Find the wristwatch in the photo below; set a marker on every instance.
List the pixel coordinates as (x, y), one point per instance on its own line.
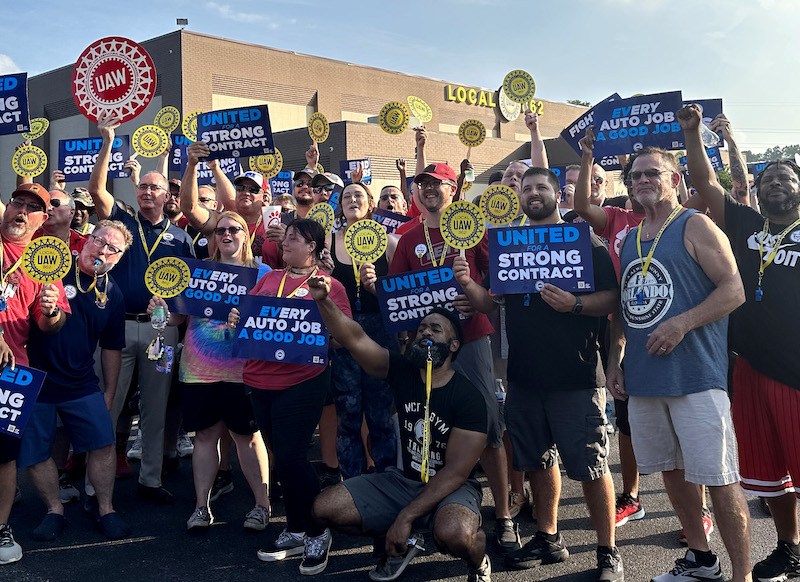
(56, 313)
(578, 307)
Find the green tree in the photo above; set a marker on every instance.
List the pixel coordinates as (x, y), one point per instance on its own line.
(773, 153)
(580, 102)
(725, 180)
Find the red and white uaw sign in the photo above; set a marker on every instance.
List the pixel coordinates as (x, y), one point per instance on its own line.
(113, 75)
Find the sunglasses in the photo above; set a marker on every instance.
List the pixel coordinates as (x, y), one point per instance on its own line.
(206, 200)
(57, 203)
(328, 188)
(150, 187)
(636, 174)
(249, 189)
(232, 230)
(29, 206)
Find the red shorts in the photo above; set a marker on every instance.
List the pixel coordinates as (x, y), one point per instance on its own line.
(766, 416)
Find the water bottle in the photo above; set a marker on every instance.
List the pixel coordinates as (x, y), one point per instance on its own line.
(500, 391)
(710, 139)
(159, 318)
(469, 175)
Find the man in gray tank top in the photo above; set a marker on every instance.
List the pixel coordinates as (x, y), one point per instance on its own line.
(679, 282)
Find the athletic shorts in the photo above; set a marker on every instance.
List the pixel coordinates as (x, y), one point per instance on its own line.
(475, 362)
(204, 405)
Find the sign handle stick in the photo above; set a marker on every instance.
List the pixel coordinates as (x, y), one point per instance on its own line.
(463, 253)
(469, 149)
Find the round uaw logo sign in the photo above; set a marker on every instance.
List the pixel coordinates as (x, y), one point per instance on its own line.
(510, 109)
(168, 118)
(167, 277)
(46, 259)
(29, 161)
(149, 141)
(462, 225)
(322, 212)
(39, 126)
(268, 165)
(419, 108)
(318, 127)
(472, 133)
(394, 117)
(519, 86)
(645, 301)
(365, 241)
(500, 204)
(466, 186)
(189, 125)
(319, 168)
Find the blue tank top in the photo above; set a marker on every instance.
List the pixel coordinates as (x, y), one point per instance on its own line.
(674, 284)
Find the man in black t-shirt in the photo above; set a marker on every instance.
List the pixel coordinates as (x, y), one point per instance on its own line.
(434, 490)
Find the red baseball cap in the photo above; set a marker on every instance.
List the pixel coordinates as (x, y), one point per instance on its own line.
(34, 190)
(439, 171)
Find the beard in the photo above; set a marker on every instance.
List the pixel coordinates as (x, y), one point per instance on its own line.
(172, 210)
(417, 354)
(772, 207)
(548, 208)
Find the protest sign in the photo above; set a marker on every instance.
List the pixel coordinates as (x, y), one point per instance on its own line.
(283, 330)
(281, 184)
(509, 109)
(365, 241)
(19, 389)
(523, 259)
(318, 127)
(408, 297)
(472, 133)
(14, 116)
(519, 86)
(609, 163)
(389, 220)
(167, 277)
(237, 132)
(322, 212)
(561, 174)
(189, 125)
(213, 289)
(29, 161)
(46, 259)
(168, 118)
(76, 157)
(577, 129)
(178, 158)
(394, 117)
(711, 108)
(346, 168)
(713, 156)
(39, 126)
(462, 225)
(756, 168)
(268, 165)
(419, 108)
(149, 141)
(500, 204)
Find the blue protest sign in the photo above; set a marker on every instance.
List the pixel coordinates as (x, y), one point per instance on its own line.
(389, 220)
(756, 168)
(625, 126)
(523, 259)
(561, 173)
(14, 116)
(178, 158)
(346, 168)
(76, 157)
(283, 330)
(236, 133)
(577, 129)
(214, 288)
(609, 163)
(281, 184)
(408, 297)
(711, 108)
(19, 389)
(714, 157)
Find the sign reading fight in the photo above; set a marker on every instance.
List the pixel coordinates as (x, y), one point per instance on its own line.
(625, 126)
(389, 220)
(577, 129)
(76, 157)
(346, 168)
(214, 288)
(283, 330)
(238, 132)
(523, 259)
(177, 162)
(14, 104)
(408, 297)
(19, 389)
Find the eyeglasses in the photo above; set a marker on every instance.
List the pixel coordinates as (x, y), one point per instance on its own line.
(29, 206)
(172, 194)
(636, 174)
(598, 179)
(57, 202)
(432, 184)
(328, 188)
(301, 183)
(149, 187)
(206, 200)
(249, 189)
(102, 243)
(232, 230)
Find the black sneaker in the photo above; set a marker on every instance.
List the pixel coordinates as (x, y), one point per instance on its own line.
(609, 565)
(315, 556)
(781, 564)
(507, 535)
(223, 484)
(538, 551)
(157, 495)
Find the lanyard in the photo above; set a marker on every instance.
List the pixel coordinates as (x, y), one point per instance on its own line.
(357, 275)
(283, 281)
(253, 236)
(426, 424)
(524, 220)
(100, 297)
(198, 235)
(85, 229)
(149, 251)
(430, 247)
(766, 262)
(646, 261)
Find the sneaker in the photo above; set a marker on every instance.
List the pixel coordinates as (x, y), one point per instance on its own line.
(201, 519)
(185, 446)
(257, 518)
(315, 556)
(66, 490)
(507, 535)
(135, 452)
(483, 573)
(223, 484)
(329, 476)
(688, 570)
(629, 508)
(538, 551)
(124, 470)
(288, 544)
(10, 550)
(781, 564)
(390, 567)
(609, 565)
(708, 527)
(157, 495)
(516, 502)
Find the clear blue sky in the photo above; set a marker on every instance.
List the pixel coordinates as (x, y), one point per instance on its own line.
(745, 51)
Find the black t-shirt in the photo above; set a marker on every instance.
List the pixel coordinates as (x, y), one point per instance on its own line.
(763, 331)
(457, 404)
(344, 274)
(549, 350)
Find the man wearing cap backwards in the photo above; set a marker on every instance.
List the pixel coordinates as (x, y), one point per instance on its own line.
(26, 302)
(154, 237)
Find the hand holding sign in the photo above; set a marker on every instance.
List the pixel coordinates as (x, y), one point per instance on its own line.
(7, 357)
(46, 259)
(196, 152)
(134, 169)
(462, 225)
(723, 125)
(560, 300)
(107, 124)
(461, 271)
(586, 143)
(57, 180)
(48, 299)
(368, 276)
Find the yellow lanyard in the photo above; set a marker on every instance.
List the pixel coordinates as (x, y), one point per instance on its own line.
(646, 262)
(430, 247)
(197, 236)
(149, 251)
(283, 282)
(524, 220)
(426, 424)
(101, 297)
(253, 236)
(764, 263)
(84, 229)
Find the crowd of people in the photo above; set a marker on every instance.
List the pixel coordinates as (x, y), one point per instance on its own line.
(695, 297)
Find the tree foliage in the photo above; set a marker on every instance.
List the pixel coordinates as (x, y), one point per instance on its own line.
(580, 102)
(773, 153)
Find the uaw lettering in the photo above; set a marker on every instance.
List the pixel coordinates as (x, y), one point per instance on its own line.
(14, 116)
(523, 259)
(76, 157)
(346, 168)
(389, 220)
(19, 389)
(240, 132)
(408, 297)
(625, 126)
(177, 162)
(788, 253)
(214, 289)
(645, 301)
(281, 330)
(281, 184)
(577, 129)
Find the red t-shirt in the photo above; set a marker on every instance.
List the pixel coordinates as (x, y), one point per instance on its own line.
(263, 248)
(406, 258)
(183, 222)
(22, 308)
(406, 226)
(619, 221)
(266, 375)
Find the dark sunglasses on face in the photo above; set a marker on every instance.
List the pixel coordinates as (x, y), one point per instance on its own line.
(57, 202)
(29, 206)
(232, 230)
(248, 189)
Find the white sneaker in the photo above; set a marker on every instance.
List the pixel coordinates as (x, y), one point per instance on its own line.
(288, 544)
(257, 518)
(688, 570)
(185, 446)
(67, 491)
(135, 452)
(10, 550)
(315, 556)
(200, 519)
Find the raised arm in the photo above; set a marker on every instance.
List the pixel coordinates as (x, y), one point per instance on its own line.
(98, 181)
(478, 297)
(421, 136)
(401, 168)
(198, 215)
(741, 187)
(538, 151)
(591, 213)
(226, 193)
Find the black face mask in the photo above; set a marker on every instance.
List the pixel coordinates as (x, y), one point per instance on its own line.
(417, 353)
